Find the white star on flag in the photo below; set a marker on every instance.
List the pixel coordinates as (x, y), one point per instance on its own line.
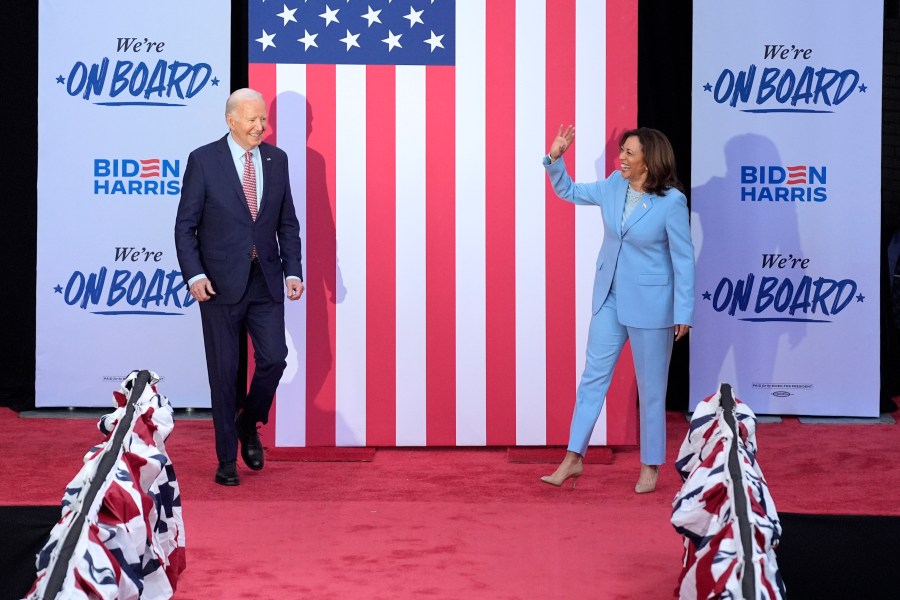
(308, 40)
(372, 16)
(350, 40)
(287, 15)
(414, 16)
(266, 40)
(330, 16)
(435, 41)
(392, 40)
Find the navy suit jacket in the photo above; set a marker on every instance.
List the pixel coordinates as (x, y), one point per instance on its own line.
(214, 232)
(651, 257)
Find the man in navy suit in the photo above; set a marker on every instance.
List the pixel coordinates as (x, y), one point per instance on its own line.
(238, 244)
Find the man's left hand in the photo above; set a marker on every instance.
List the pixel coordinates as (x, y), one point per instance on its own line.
(294, 289)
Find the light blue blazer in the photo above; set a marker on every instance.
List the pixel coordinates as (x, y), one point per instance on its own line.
(651, 257)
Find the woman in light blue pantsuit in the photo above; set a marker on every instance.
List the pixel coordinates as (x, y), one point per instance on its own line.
(643, 288)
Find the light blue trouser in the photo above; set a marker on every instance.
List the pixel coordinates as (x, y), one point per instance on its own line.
(652, 350)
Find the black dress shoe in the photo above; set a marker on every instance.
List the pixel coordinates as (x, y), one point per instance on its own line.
(227, 474)
(251, 445)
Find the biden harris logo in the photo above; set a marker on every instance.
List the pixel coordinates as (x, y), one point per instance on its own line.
(776, 183)
(136, 177)
(789, 81)
(139, 74)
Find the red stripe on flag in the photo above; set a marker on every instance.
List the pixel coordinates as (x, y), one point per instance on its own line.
(560, 227)
(621, 115)
(262, 78)
(500, 224)
(381, 261)
(621, 75)
(440, 256)
(320, 255)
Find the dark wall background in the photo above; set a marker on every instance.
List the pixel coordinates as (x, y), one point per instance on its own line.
(890, 202)
(664, 90)
(18, 226)
(664, 59)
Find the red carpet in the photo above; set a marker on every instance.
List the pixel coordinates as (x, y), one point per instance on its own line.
(450, 523)
(554, 455)
(321, 454)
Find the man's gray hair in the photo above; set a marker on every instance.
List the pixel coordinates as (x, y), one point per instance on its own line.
(239, 96)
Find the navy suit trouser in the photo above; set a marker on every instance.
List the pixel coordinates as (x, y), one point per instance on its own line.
(652, 350)
(263, 317)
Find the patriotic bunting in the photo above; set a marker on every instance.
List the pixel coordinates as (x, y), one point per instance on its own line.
(707, 509)
(131, 539)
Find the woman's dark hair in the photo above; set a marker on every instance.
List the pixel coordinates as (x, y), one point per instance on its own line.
(658, 156)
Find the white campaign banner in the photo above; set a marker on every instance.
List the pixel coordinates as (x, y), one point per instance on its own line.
(786, 170)
(125, 92)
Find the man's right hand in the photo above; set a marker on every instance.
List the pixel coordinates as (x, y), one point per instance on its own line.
(202, 290)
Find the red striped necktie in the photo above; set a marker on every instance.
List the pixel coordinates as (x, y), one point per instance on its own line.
(250, 190)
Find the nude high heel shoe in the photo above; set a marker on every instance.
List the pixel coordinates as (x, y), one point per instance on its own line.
(567, 470)
(647, 481)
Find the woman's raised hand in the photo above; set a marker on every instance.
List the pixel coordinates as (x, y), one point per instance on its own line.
(562, 141)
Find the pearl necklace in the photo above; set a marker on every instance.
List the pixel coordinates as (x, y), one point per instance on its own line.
(633, 195)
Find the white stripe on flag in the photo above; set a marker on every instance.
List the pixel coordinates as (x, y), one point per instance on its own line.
(350, 223)
(531, 346)
(590, 164)
(470, 226)
(290, 426)
(410, 250)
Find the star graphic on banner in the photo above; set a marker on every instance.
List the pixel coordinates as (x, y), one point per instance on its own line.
(57, 289)
(707, 88)
(266, 40)
(435, 41)
(707, 295)
(863, 88)
(392, 40)
(330, 16)
(350, 40)
(287, 14)
(60, 79)
(215, 81)
(308, 40)
(372, 16)
(414, 16)
(860, 298)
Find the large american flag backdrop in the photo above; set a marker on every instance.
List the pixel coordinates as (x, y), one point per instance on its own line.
(448, 289)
